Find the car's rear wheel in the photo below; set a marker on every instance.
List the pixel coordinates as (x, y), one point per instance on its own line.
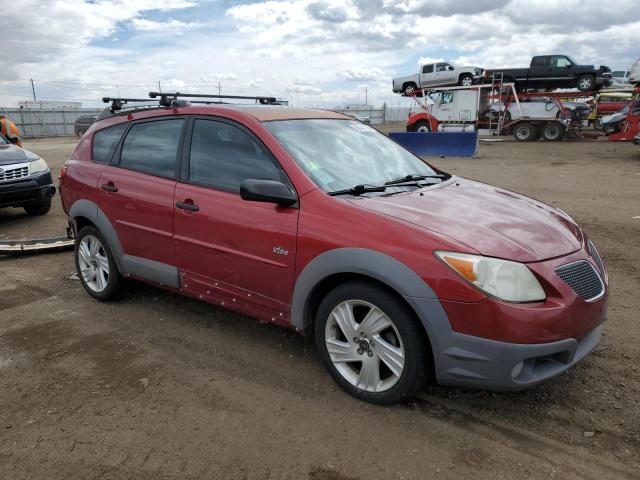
(39, 208)
(410, 88)
(96, 266)
(371, 343)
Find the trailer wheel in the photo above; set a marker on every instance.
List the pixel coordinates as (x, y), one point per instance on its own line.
(552, 132)
(422, 126)
(526, 132)
(585, 82)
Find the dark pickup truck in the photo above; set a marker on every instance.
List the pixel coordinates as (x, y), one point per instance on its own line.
(555, 71)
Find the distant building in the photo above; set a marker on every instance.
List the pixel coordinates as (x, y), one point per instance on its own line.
(31, 105)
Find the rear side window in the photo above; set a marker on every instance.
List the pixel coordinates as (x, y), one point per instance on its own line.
(152, 147)
(223, 156)
(427, 69)
(539, 61)
(105, 142)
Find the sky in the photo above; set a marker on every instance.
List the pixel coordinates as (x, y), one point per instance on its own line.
(322, 53)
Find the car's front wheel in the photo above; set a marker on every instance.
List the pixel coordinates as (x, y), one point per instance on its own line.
(465, 80)
(371, 343)
(96, 267)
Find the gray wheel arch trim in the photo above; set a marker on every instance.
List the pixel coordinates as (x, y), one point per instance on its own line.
(378, 266)
(89, 210)
(142, 267)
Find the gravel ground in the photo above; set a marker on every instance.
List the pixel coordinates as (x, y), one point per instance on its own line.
(157, 386)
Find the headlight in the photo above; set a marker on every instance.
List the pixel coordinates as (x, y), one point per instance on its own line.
(503, 279)
(39, 166)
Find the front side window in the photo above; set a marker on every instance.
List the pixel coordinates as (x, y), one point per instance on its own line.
(338, 154)
(223, 156)
(442, 67)
(560, 62)
(105, 142)
(152, 147)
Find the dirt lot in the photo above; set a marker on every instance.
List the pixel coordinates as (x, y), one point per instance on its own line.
(157, 386)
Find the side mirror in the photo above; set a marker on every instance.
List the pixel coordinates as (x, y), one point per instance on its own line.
(13, 139)
(270, 191)
(449, 67)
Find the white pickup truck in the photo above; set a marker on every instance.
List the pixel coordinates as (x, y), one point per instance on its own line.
(440, 74)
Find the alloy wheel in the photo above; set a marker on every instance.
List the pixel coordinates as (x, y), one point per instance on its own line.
(364, 346)
(93, 262)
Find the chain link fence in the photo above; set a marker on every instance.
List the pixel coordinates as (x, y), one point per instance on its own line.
(46, 122)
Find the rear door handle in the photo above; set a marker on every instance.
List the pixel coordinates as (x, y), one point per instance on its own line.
(109, 187)
(188, 205)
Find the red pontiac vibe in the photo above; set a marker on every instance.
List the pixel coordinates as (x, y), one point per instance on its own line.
(401, 272)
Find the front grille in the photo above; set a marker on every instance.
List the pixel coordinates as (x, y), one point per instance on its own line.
(14, 172)
(582, 278)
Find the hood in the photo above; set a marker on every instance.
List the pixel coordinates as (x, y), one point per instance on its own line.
(13, 154)
(616, 117)
(489, 220)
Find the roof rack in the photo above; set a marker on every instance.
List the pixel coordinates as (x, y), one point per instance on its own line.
(168, 99)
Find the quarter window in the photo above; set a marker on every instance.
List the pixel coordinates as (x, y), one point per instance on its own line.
(152, 147)
(223, 156)
(105, 141)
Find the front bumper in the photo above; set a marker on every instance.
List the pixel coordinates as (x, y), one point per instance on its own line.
(33, 189)
(497, 345)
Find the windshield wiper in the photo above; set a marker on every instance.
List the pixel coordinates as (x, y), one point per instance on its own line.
(358, 189)
(412, 177)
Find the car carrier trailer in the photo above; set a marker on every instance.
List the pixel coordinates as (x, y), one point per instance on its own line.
(470, 108)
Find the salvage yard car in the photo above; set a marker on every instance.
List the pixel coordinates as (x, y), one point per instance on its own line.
(402, 273)
(25, 179)
(438, 74)
(554, 71)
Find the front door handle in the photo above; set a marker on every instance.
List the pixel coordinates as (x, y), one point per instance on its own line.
(109, 187)
(188, 205)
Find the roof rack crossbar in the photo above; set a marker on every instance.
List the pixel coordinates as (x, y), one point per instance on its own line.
(166, 98)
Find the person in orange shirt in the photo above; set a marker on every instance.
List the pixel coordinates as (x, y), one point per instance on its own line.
(9, 129)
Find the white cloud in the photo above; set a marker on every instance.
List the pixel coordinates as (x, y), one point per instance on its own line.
(170, 25)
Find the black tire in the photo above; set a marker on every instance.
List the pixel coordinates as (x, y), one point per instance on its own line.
(597, 123)
(421, 126)
(418, 358)
(552, 132)
(115, 283)
(465, 80)
(585, 82)
(409, 88)
(81, 133)
(526, 132)
(40, 208)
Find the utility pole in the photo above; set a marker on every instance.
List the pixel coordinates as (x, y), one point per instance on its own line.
(33, 89)
(366, 96)
(159, 87)
(219, 88)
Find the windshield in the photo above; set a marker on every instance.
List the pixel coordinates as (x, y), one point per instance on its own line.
(338, 154)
